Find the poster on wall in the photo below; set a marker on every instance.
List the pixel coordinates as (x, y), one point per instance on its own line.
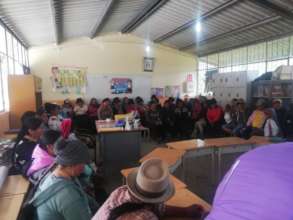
(121, 86)
(159, 92)
(172, 91)
(68, 79)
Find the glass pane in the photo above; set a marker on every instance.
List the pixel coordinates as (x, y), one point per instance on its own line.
(4, 68)
(26, 58)
(259, 67)
(239, 56)
(201, 82)
(273, 65)
(291, 46)
(225, 69)
(225, 59)
(15, 51)
(18, 69)
(2, 40)
(202, 63)
(278, 49)
(213, 61)
(291, 61)
(9, 43)
(256, 53)
(239, 68)
(11, 66)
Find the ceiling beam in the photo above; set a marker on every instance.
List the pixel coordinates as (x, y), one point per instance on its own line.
(57, 19)
(144, 15)
(283, 12)
(102, 19)
(232, 32)
(189, 24)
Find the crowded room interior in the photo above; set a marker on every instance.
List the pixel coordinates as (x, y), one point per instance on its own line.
(146, 109)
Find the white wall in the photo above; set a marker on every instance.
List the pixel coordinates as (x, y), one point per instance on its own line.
(114, 55)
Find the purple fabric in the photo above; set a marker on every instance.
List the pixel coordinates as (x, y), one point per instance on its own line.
(41, 159)
(258, 187)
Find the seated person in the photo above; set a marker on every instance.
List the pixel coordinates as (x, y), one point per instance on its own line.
(240, 117)
(93, 109)
(67, 199)
(168, 119)
(257, 187)
(289, 123)
(214, 117)
(116, 106)
(25, 143)
(66, 109)
(144, 195)
(43, 155)
(199, 115)
(271, 129)
(80, 107)
(42, 114)
(229, 117)
(279, 114)
(55, 119)
(255, 123)
(105, 110)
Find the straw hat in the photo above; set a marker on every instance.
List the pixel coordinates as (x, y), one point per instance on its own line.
(151, 183)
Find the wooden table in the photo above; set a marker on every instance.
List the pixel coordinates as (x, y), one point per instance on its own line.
(177, 183)
(216, 142)
(10, 206)
(170, 156)
(14, 185)
(185, 198)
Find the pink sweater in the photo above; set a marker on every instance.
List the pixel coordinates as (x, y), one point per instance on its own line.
(41, 159)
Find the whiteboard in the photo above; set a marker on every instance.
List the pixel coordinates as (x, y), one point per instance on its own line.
(98, 86)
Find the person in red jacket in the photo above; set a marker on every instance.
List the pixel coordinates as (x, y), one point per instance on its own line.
(214, 117)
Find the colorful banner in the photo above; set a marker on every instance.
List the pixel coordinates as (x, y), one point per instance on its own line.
(68, 79)
(121, 85)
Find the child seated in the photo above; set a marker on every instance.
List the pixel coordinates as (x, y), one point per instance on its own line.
(271, 128)
(55, 119)
(229, 119)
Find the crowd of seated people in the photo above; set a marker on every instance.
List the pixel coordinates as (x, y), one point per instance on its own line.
(186, 118)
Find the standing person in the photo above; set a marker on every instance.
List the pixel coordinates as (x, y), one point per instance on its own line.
(168, 119)
(93, 109)
(55, 119)
(67, 109)
(66, 197)
(183, 121)
(26, 141)
(105, 110)
(80, 107)
(143, 197)
(154, 122)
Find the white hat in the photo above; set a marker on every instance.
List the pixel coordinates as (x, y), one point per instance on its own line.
(151, 183)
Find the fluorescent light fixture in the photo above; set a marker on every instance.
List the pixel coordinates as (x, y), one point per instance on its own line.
(198, 27)
(147, 48)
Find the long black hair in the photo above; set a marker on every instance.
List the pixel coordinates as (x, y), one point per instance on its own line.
(28, 122)
(129, 207)
(49, 138)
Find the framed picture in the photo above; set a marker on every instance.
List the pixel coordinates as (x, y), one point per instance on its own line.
(148, 64)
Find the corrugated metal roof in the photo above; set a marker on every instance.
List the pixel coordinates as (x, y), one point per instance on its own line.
(33, 21)
(80, 16)
(172, 15)
(123, 12)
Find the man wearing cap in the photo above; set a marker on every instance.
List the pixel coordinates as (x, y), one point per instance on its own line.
(144, 195)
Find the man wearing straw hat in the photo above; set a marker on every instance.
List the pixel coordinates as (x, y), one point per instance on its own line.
(148, 187)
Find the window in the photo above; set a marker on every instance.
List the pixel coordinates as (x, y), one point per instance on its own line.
(15, 51)
(9, 44)
(273, 65)
(2, 40)
(259, 67)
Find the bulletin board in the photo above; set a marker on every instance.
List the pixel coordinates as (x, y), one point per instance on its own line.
(99, 86)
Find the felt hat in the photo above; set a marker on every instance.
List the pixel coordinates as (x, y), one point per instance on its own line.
(151, 183)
